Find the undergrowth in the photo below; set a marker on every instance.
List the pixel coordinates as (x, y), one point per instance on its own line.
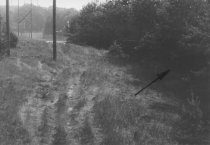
(82, 99)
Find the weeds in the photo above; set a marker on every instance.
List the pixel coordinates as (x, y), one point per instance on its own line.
(80, 104)
(102, 109)
(11, 129)
(60, 136)
(191, 129)
(85, 134)
(44, 129)
(124, 122)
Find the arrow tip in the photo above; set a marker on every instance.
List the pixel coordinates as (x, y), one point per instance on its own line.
(163, 74)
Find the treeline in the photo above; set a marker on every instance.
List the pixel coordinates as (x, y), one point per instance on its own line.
(172, 27)
(41, 18)
(62, 17)
(156, 34)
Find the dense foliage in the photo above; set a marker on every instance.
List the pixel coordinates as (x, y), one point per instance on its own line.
(166, 21)
(158, 33)
(3, 43)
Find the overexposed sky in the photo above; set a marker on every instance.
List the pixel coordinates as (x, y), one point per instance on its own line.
(77, 4)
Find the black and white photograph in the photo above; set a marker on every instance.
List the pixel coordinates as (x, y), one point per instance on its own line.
(104, 72)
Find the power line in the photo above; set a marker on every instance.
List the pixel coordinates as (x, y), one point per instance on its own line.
(30, 12)
(26, 15)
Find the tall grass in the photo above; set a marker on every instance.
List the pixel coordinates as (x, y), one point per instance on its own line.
(88, 101)
(11, 129)
(108, 114)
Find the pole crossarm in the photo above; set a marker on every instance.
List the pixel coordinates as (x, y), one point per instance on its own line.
(21, 20)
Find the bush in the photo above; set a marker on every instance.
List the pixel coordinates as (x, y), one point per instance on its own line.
(115, 49)
(3, 43)
(161, 34)
(165, 34)
(13, 40)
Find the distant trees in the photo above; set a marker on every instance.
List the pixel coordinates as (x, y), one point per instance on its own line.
(42, 18)
(39, 15)
(63, 15)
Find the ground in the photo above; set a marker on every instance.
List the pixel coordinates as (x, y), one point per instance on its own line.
(81, 99)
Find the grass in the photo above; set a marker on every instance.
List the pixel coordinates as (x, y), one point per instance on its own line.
(111, 114)
(27, 78)
(81, 98)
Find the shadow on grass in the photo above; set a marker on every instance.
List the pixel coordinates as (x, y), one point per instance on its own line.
(188, 127)
(164, 107)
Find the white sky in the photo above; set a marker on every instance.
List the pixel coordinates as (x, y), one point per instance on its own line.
(77, 4)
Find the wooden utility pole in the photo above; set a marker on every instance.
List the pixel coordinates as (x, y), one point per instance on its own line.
(54, 31)
(18, 18)
(0, 26)
(31, 19)
(8, 27)
(0, 33)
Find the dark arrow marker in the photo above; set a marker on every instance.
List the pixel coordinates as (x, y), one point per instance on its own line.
(160, 76)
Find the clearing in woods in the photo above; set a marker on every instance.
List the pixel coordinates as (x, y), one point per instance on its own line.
(80, 99)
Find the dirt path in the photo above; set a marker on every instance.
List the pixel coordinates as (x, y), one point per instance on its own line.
(47, 112)
(80, 99)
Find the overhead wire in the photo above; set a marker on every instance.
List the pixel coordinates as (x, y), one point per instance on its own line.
(27, 15)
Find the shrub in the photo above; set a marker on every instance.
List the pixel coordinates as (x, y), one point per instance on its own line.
(191, 129)
(115, 49)
(13, 40)
(3, 43)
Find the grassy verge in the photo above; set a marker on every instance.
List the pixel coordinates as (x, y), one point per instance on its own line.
(83, 99)
(27, 82)
(106, 111)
